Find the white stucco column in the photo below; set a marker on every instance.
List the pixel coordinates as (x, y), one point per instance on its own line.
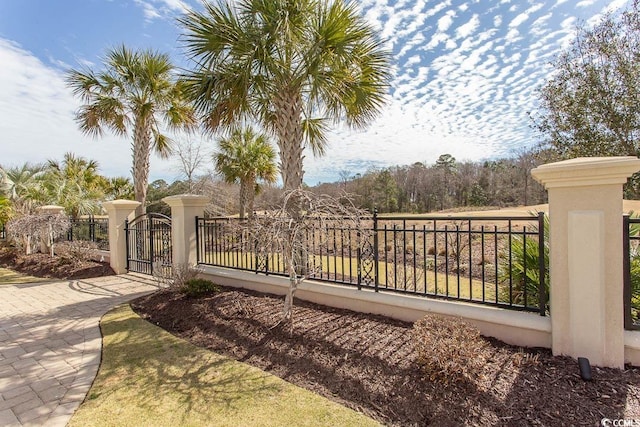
(184, 209)
(585, 250)
(119, 211)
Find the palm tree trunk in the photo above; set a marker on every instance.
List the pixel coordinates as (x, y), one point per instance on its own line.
(251, 194)
(288, 128)
(244, 189)
(141, 153)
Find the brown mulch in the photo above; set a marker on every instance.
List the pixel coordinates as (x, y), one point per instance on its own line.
(56, 267)
(368, 363)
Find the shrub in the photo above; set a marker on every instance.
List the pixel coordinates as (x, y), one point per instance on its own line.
(524, 271)
(197, 287)
(449, 350)
(77, 250)
(174, 275)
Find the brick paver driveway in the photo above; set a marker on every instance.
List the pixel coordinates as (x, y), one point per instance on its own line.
(50, 344)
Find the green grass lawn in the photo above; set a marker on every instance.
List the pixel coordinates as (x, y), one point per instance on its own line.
(148, 377)
(390, 274)
(10, 277)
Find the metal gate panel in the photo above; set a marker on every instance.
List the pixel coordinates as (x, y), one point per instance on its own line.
(148, 241)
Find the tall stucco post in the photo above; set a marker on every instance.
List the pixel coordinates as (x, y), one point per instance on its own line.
(585, 250)
(119, 211)
(184, 209)
(48, 210)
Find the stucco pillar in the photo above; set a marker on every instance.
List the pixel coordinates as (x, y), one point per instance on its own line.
(585, 250)
(119, 211)
(48, 210)
(184, 209)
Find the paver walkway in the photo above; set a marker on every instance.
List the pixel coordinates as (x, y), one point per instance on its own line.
(50, 344)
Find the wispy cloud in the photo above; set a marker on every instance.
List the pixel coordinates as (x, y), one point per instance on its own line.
(38, 117)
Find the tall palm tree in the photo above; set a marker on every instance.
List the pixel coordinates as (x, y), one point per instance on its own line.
(136, 94)
(75, 184)
(247, 157)
(293, 66)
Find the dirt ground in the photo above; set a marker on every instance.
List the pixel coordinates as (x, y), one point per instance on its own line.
(368, 363)
(56, 267)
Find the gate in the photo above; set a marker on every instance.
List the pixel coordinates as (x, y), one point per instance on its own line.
(148, 240)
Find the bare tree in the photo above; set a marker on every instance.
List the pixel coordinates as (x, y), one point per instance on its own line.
(47, 227)
(279, 231)
(191, 157)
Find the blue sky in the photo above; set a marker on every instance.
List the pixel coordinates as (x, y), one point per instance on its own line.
(465, 76)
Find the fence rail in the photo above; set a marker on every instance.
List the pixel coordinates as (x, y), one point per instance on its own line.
(486, 260)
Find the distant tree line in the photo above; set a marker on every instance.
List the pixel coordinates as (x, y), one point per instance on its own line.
(445, 184)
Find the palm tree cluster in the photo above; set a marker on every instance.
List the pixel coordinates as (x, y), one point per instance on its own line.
(73, 183)
(289, 67)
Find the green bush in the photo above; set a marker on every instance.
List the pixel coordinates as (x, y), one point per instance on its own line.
(197, 287)
(524, 271)
(448, 349)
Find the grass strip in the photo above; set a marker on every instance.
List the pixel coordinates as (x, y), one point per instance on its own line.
(10, 277)
(149, 377)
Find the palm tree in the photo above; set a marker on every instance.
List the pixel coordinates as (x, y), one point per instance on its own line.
(137, 95)
(74, 184)
(118, 187)
(246, 156)
(293, 66)
(22, 186)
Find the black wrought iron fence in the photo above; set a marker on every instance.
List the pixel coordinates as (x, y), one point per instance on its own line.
(90, 229)
(488, 260)
(631, 272)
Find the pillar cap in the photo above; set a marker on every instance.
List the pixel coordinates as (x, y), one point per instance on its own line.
(51, 208)
(187, 200)
(586, 171)
(121, 205)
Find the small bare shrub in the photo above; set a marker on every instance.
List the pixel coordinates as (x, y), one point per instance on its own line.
(449, 349)
(175, 276)
(431, 251)
(77, 250)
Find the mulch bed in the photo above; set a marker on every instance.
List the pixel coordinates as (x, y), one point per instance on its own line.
(368, 363)
(56, 267)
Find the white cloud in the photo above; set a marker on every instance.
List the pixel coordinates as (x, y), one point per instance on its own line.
(518, 20)
(445, 22)
(465, 30)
